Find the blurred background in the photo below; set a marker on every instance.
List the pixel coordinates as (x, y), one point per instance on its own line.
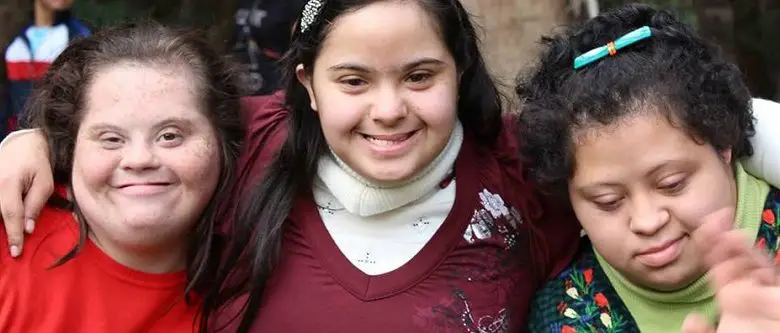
(746, 29)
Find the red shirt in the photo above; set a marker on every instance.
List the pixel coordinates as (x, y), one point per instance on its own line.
(91, 293)
(477, 274)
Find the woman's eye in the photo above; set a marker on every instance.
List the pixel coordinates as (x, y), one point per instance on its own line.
(419, 77)
(673, 187)
(608, 205)
(110, 141)
(354, 82)
(169, 136)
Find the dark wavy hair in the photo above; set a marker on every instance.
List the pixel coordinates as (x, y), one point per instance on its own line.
(59, 100)
(674, 72)
(260, 221)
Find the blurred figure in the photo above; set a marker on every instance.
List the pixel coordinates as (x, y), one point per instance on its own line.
(32, 51)
(262, 35)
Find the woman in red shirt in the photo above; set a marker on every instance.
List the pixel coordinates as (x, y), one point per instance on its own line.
(143, 157)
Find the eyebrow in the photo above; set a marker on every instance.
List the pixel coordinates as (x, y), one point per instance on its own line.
(653, 171)
(185, 122)
(363, 69)
(587, 189)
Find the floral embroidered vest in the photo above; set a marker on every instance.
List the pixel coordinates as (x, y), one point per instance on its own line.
(581, 298)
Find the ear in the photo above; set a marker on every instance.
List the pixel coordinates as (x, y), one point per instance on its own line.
(725, 154)
(305, 80)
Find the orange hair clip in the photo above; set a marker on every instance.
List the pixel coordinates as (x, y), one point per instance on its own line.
(611, 48)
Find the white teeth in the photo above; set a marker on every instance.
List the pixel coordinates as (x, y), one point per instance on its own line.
(379, 142)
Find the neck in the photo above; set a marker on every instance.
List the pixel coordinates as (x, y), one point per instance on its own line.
(364, 197)
(154, 259)
(44, 17)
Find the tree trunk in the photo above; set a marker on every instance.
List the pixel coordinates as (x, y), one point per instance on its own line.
(715, 22)
(745, 31)
(511, 30)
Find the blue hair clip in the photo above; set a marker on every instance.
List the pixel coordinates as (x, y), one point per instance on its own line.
(612, 47)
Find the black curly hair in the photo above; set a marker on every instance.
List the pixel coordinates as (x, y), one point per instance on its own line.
(674, 72)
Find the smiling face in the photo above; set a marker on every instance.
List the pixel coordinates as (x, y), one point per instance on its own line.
(385, 90)
(640, 186)
(146, 159)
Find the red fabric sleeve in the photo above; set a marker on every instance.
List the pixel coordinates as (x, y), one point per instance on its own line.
(556, 231)
(266, 121)
(265, 118)
(561, 231)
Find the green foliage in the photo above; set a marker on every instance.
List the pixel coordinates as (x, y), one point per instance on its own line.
(683, 8)
(214, 17)
(108, 12)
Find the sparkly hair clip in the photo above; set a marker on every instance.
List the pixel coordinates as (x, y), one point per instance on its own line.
(310, 12)
(612, 47)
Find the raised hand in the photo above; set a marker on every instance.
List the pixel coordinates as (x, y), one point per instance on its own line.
(744, 279)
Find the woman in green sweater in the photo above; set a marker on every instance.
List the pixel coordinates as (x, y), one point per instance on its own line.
(641, 124)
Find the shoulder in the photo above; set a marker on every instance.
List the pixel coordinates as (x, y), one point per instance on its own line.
(266, 120)
(765, 161)
(768, 232)
(265, 111)
(579, 297)
(550, 303)
(24, 281)
(555, 231)
(16, 49)
(55, 230)
(78, 28)
(581, 265)
(764, 105)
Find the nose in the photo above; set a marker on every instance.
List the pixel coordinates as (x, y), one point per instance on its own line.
(389, 107)
(647, 216)
(139, 156)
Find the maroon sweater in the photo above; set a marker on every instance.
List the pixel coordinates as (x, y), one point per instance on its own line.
(477, 274)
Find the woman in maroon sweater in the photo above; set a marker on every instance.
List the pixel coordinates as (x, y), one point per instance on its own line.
(387, 102)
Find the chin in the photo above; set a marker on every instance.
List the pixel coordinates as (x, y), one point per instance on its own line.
(670, 279)
(388, 175)
(395, 171)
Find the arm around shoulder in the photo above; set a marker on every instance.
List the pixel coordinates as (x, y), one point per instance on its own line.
(765, 162)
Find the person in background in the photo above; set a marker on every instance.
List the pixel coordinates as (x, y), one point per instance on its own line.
(32, 51)
(262, 36)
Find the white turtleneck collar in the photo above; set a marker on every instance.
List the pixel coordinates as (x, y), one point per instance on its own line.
(362, 197)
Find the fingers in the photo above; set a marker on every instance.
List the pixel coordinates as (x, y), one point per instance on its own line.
(25, 184)
(12, 210)
(711, 227)
(731, 258)
(695, 323)
(728, 253)
(40, 190)
(751, 299)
